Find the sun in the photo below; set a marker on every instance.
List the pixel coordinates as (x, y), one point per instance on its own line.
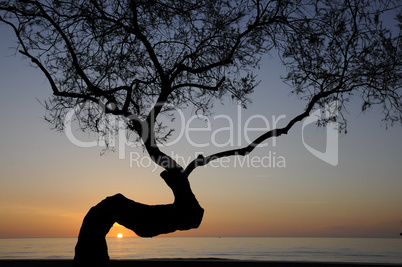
(119, 235)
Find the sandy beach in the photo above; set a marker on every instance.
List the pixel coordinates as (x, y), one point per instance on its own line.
(187, 262)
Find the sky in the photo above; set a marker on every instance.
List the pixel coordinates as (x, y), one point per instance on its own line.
(284, 189)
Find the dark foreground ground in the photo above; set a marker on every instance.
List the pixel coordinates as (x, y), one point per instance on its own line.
(185, 262)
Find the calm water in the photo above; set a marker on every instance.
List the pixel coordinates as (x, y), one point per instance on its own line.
(374, 250)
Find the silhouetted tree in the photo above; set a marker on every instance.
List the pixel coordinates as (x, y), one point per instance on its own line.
(138, 59)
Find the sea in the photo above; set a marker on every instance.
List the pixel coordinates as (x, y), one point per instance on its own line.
(364, 250)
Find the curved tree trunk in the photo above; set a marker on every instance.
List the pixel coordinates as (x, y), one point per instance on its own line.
(145, 220)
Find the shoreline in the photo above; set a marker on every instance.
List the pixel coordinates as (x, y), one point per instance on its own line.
(186, 262)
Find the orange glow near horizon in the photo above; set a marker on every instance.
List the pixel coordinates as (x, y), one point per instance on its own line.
(120, 231)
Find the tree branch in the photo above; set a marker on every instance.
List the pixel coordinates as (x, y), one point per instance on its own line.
(228, 59)
(201, 160)
(136, 31)
(206, 87)
(70, 48)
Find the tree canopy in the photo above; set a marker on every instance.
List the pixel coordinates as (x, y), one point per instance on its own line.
(138, 59)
